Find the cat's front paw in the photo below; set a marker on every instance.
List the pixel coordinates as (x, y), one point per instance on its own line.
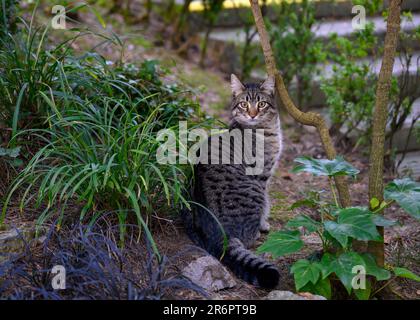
(264, 226)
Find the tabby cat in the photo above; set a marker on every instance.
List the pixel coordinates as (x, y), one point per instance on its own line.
(234, 205)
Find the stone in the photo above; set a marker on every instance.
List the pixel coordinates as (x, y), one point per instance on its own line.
(13, 240)
(208, 273)
(288, 295)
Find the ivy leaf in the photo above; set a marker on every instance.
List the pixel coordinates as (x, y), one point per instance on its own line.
(364, 294)
(322, 287)
(282, 242)
(326, 264)
(357, 223)
(406, 193)
(405, 273)
(304, 221)
(374, 203)
(325, 167)
(343, 267)
(305, 271)
(380, 221)
(373, 269)
(338, 232)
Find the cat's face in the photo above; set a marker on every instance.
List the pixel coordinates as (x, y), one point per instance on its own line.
(253, 104)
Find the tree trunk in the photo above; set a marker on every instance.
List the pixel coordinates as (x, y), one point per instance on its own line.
(380, 114)
(204, 48)
(179, 24)
(306, 118)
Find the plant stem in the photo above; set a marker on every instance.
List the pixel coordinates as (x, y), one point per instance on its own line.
(333, 192)
(384, 207)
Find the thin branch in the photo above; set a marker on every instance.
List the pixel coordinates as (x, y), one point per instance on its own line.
(306, 118)
(380, 114)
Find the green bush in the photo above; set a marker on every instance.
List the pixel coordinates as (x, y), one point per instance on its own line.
(351, 89)
(8, 10)
(98, 138)
(296, 49)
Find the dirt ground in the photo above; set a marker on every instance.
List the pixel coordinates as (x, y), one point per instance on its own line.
(402, 241)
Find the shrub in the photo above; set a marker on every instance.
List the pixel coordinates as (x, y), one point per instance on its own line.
(8, 10)
(99, 137)
(294, 32)
(351, 90)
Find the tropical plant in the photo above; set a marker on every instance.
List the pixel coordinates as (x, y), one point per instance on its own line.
(337, 229)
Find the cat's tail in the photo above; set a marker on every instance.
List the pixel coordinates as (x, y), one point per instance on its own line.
(250, 267)
(245, 264)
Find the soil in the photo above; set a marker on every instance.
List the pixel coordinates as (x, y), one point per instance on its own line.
(402, 242)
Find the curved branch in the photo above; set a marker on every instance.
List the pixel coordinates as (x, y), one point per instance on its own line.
(306, 118)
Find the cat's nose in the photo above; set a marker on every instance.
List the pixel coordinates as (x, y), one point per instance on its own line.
(253, 113)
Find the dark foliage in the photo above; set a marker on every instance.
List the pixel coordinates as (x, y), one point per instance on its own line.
(96, 268)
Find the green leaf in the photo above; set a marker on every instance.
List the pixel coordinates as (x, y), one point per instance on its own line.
(373, 269)
(325, 167)
(17, 109)
(304, 221)
(322, 287)
(343, 267)
(98, 16)
(281, 243)
(305, 271)
(364, 294)
(405, 273)
(374, 203)
(406, 193)
(327, 266)
(353, 222)
(338, 232)
(303, 203)
(380, 221)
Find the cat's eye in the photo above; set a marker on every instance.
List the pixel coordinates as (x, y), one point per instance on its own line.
(243, 105)
(262, 104)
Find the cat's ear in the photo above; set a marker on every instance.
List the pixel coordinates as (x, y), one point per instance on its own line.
(268, 85)
(236, 85)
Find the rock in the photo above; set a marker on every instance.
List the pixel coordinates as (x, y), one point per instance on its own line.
(13, 240)
(288, 295)
(208, 273)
